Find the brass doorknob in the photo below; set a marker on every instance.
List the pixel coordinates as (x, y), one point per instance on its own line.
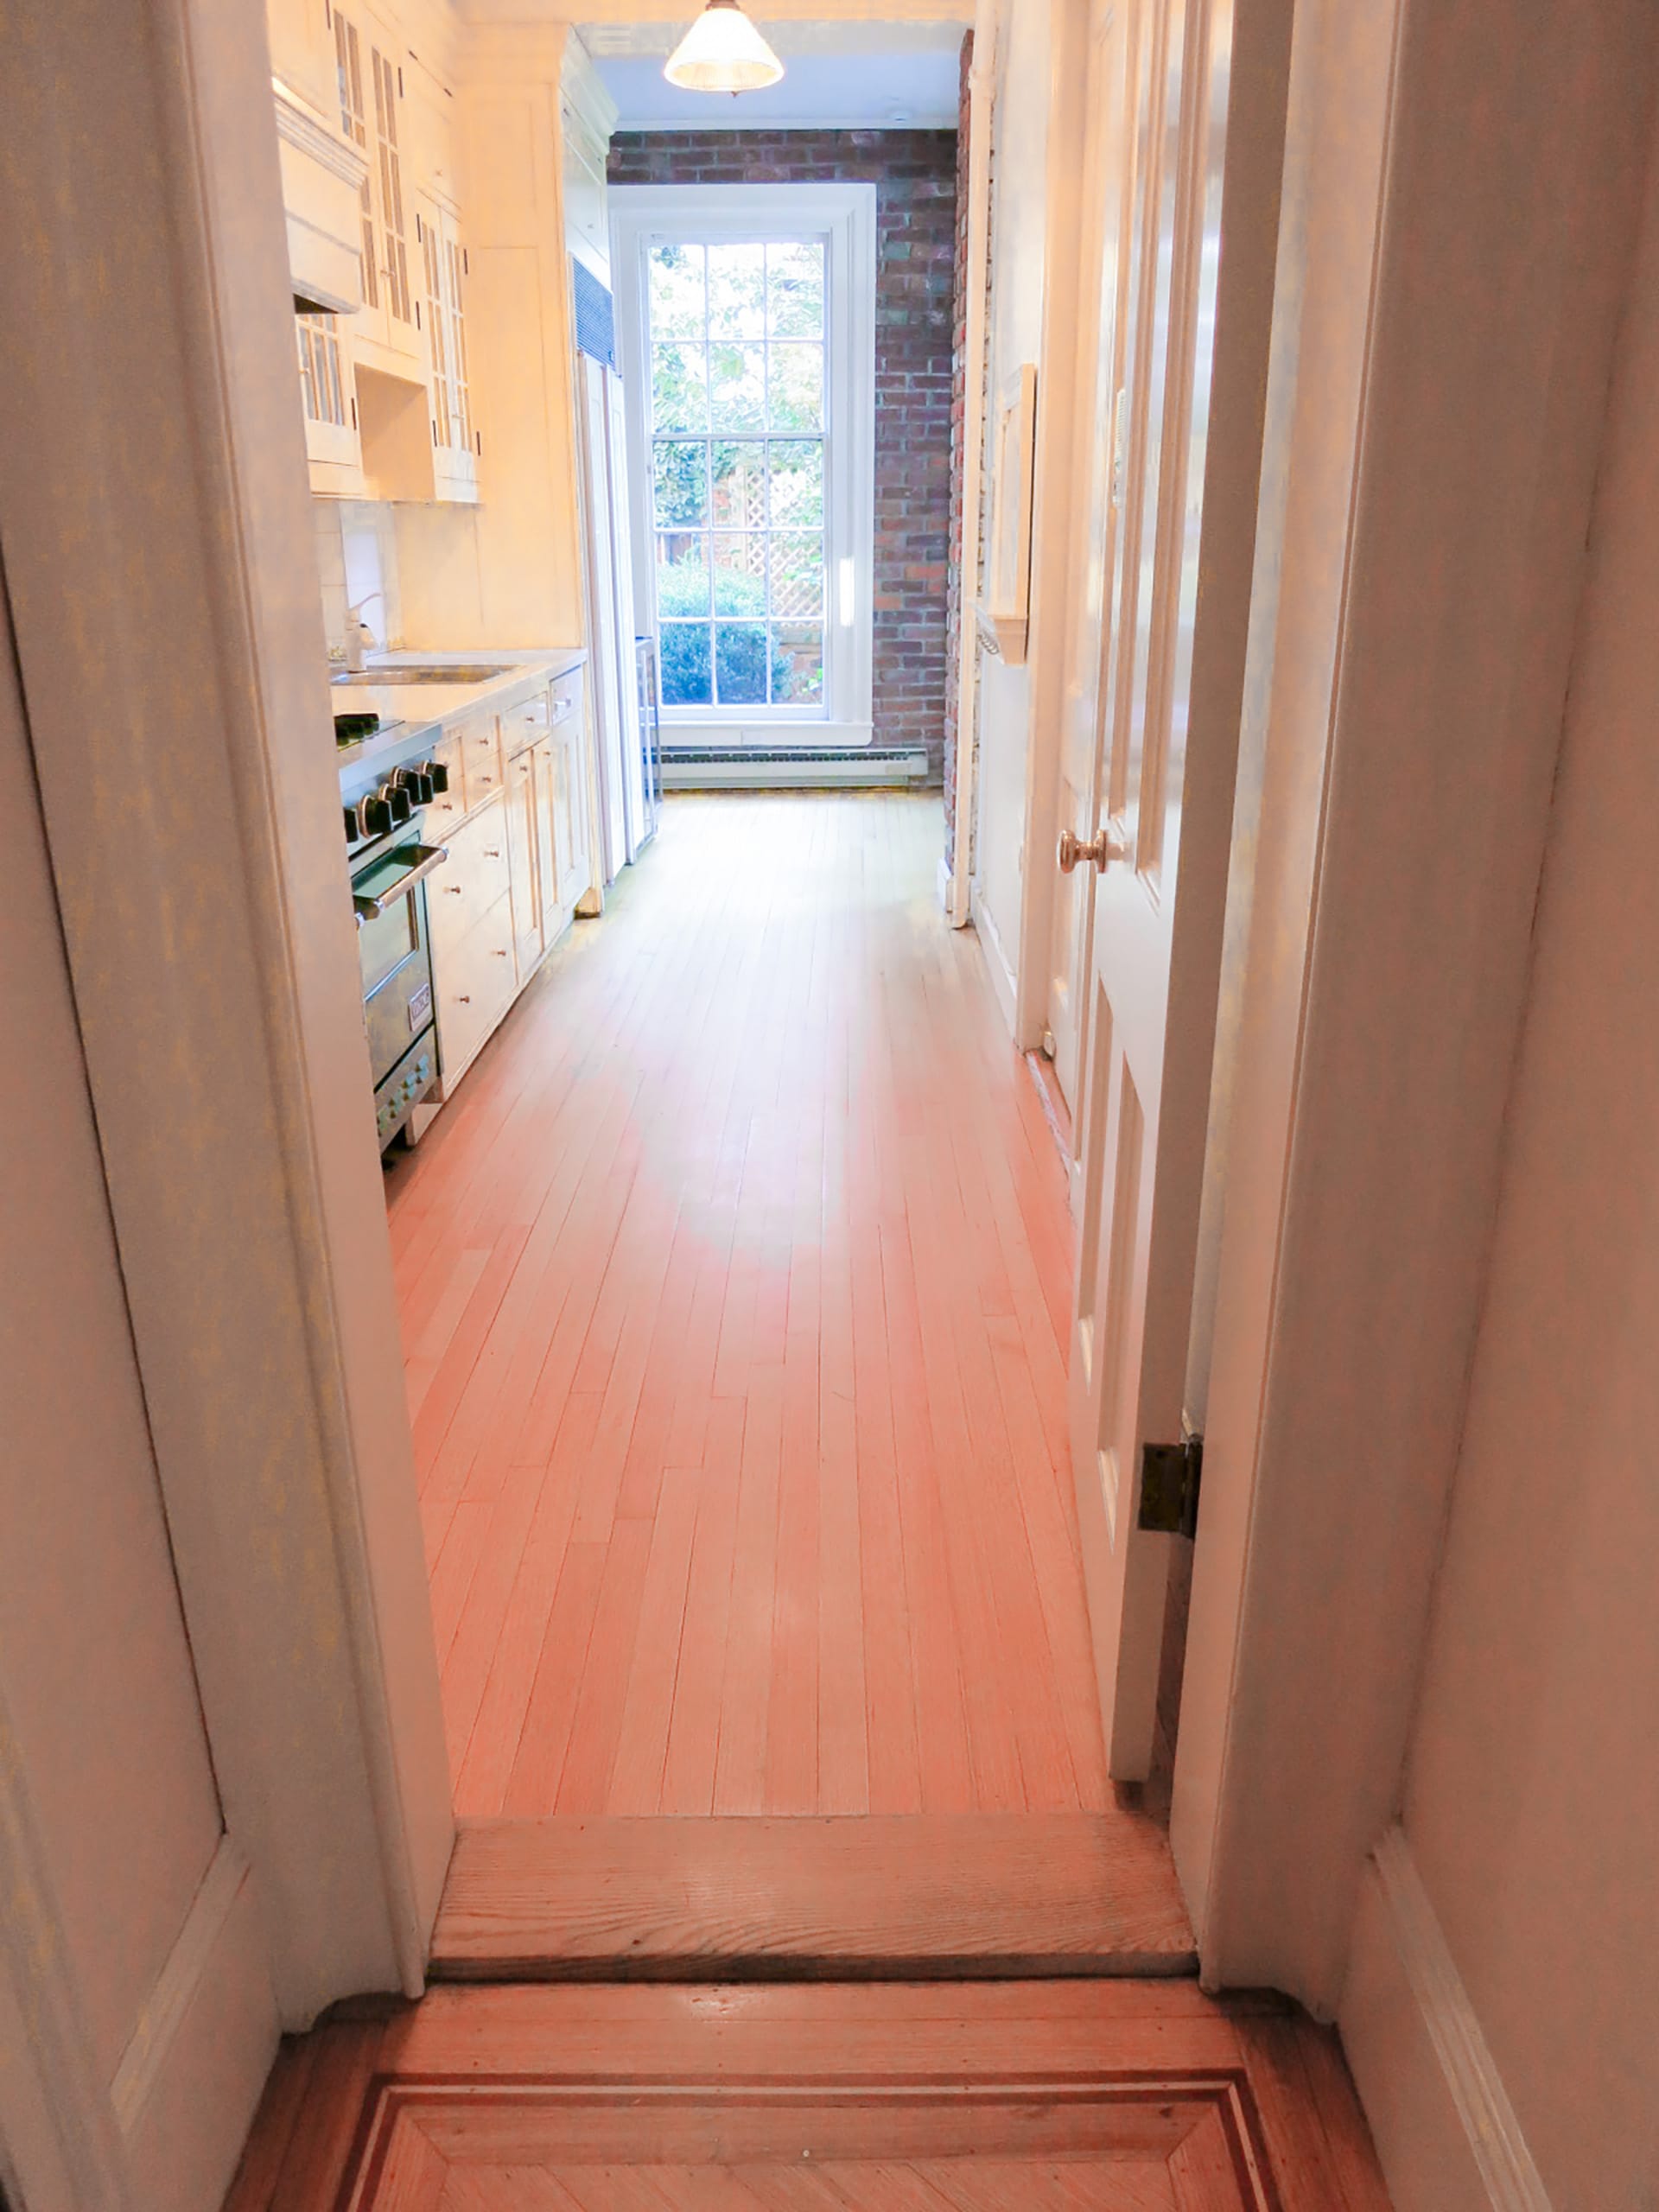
(1099, 848)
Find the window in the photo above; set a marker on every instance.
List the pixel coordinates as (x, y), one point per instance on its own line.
(737, 471)
(748, 328)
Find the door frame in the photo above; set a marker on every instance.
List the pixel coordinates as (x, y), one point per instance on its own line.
(160, 573)
(199, 664)
(1434, 407)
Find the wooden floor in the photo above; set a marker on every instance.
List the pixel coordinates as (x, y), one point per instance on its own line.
(734, 1290)
(997, 2097)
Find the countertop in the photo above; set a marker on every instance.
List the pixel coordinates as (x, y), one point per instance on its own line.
(412, 712)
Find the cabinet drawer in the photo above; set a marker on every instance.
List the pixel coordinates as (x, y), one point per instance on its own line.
(447, 810)
(523, 724)
(476, 981)
(480, 753)
(567, 697)
(471, 880)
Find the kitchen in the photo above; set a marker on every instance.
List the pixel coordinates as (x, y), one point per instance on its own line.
(496, 773)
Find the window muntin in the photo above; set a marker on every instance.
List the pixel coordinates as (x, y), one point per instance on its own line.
(736, 333)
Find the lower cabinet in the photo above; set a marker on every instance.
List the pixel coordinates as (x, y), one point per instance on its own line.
(470, 919)
(477, 981)
(528, 927)
(515, 824)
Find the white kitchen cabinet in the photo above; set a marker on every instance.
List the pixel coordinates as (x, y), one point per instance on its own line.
(444, 269)
(523, 864)
(369, 62)
(332, 447)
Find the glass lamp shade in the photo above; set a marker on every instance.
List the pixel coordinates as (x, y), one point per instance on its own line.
(722, 52)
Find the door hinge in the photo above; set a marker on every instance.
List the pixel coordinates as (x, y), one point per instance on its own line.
(1170, 1475)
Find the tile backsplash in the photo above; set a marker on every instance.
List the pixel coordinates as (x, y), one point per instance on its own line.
(357, 563)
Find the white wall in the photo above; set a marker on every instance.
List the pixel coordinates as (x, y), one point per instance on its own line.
(1532, 1799)
(1019, 246)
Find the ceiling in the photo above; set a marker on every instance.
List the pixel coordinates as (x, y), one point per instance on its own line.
(865, 73)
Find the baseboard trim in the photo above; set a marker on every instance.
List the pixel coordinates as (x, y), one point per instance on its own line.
(1448, 2137)
(191, 2077)
(996, 960)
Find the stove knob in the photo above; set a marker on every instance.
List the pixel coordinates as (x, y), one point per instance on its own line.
(398, 800)
(353, 833)
(417, 783)
(373, 814)
(438, 772)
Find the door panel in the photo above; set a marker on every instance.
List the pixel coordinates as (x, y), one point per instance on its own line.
(1099, 375)
(96, 1676)
(1144, 1113)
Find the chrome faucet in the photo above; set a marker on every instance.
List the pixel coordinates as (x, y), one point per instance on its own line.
(357, 631)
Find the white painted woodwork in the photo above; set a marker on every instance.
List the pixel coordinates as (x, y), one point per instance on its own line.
(161, 573)
(1031, 40)
(1531, 1794)
(1098, 378)
(613, 699)
(529, 940)
(1180, 590)
(110, 1826)
(523, 569)
(1437, 393)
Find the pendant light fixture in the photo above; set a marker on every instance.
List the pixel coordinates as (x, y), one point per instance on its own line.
(722, 52)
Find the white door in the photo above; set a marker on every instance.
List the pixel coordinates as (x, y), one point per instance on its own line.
(635, 829)
(1106, 182)
(1163, 819)
(594, 404)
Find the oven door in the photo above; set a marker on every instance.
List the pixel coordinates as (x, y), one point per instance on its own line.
(389, 897)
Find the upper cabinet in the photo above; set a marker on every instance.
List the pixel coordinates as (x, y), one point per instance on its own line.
(379, 263)
(369, 72)
(444, 271)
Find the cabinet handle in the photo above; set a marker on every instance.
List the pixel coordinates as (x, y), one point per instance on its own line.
(463, 998)
(452, 889)
(500, 951)
(492, 852)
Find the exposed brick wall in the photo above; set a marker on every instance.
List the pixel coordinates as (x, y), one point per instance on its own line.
(914, 173)
(958, 417)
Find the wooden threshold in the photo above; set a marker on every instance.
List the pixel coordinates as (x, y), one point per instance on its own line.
(903, 1896)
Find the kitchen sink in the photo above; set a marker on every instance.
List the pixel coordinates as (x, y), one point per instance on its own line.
(421, 672)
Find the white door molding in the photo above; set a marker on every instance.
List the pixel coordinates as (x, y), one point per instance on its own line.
(1449, 2139)
(1434, 411)
(159, 562)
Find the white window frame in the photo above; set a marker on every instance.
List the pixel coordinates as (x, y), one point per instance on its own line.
(843, 215)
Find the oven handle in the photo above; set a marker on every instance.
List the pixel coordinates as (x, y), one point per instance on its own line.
(432, 856)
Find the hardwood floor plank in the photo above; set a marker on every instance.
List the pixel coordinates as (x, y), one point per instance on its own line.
(753, 1157)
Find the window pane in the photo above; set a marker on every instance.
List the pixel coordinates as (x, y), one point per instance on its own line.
(795, 290)
(683, 648)
(740, 573)
(681, 574)
(796, 664)
(738, 467)
(741, 664)
(797, 387)
(737, 387)
(677, 291)
(679, 388)
(797, 484)
(680, 472)
(797, 573)
(737, 291)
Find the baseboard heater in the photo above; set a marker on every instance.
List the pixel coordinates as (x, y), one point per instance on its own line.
(753, 767)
